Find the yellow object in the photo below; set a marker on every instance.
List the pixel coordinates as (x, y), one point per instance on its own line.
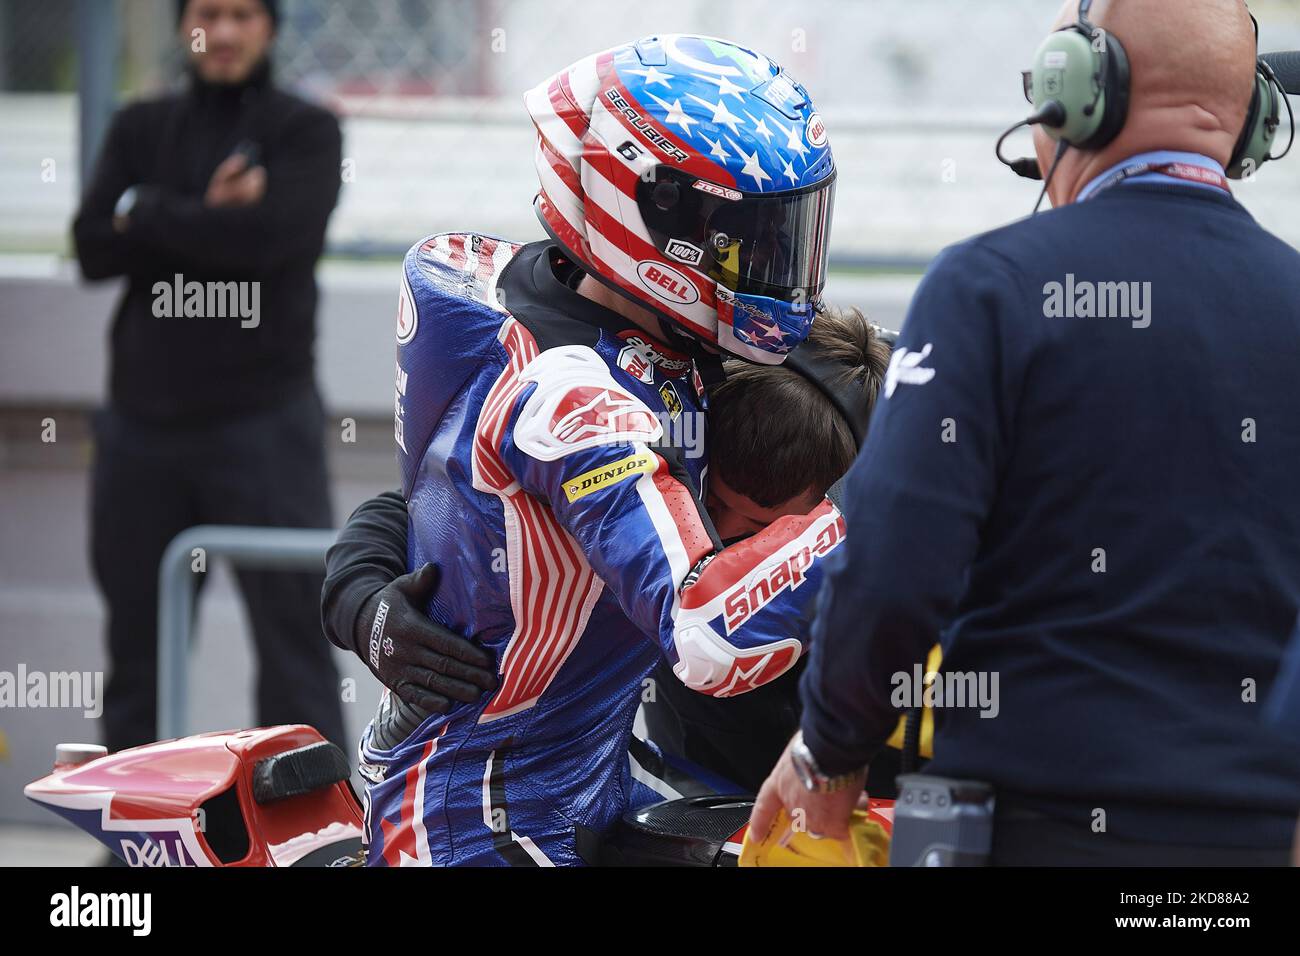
(867, 845)
(728, 257)
(671, 401)
(926, 749)
(606, 475)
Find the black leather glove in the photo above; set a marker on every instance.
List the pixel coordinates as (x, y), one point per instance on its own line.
(419, 660)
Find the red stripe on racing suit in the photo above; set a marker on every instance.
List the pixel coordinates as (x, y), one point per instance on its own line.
(729, 620)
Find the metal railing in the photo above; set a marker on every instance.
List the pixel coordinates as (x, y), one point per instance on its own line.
(282, 549)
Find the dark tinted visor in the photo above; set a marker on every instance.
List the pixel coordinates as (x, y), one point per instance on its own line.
(769, 244)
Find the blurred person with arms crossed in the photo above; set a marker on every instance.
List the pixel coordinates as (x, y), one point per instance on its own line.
(1100, 509)
(212, 417)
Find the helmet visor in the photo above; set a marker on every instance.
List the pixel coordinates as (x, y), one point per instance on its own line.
(767, 244)
(773, 245)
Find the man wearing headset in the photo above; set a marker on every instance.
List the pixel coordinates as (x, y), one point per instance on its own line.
(1081, 478)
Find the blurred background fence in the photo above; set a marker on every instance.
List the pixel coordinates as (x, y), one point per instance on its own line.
(914, 93)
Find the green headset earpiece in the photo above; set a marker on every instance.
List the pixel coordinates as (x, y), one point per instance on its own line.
(1262, 120)
(1255, 145)
(1085, 71)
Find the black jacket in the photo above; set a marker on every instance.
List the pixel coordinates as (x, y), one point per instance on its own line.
(190, 370)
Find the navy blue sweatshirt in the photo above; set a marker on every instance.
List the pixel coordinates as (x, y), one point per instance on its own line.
(1102, 511)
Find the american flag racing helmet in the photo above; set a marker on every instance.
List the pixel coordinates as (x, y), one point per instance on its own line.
(694, 176)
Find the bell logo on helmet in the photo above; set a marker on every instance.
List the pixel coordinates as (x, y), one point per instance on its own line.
(666, 282)
(816, 131)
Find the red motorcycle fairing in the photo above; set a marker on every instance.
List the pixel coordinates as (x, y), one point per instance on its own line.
(214, 799)
(279, 796)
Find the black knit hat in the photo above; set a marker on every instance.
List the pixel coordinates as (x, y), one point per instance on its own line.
(272, 7)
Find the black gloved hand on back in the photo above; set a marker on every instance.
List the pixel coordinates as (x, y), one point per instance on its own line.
(426, 665)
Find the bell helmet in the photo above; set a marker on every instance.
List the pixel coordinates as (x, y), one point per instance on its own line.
(694, 176)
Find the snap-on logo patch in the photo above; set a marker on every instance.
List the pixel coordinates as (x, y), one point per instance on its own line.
(666, 283)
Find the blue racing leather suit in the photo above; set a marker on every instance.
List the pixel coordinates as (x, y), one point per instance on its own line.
(551, 458)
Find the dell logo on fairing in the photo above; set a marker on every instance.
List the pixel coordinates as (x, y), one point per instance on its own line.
(666, 282)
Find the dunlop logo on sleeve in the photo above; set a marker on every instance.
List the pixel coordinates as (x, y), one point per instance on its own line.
(607, 475)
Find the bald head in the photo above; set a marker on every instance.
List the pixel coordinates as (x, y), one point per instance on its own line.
(1193, 69)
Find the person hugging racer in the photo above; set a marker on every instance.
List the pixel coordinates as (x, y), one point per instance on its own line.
(781, 436)
(538, 387)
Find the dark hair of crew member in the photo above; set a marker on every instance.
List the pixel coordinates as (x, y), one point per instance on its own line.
(774, 435)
